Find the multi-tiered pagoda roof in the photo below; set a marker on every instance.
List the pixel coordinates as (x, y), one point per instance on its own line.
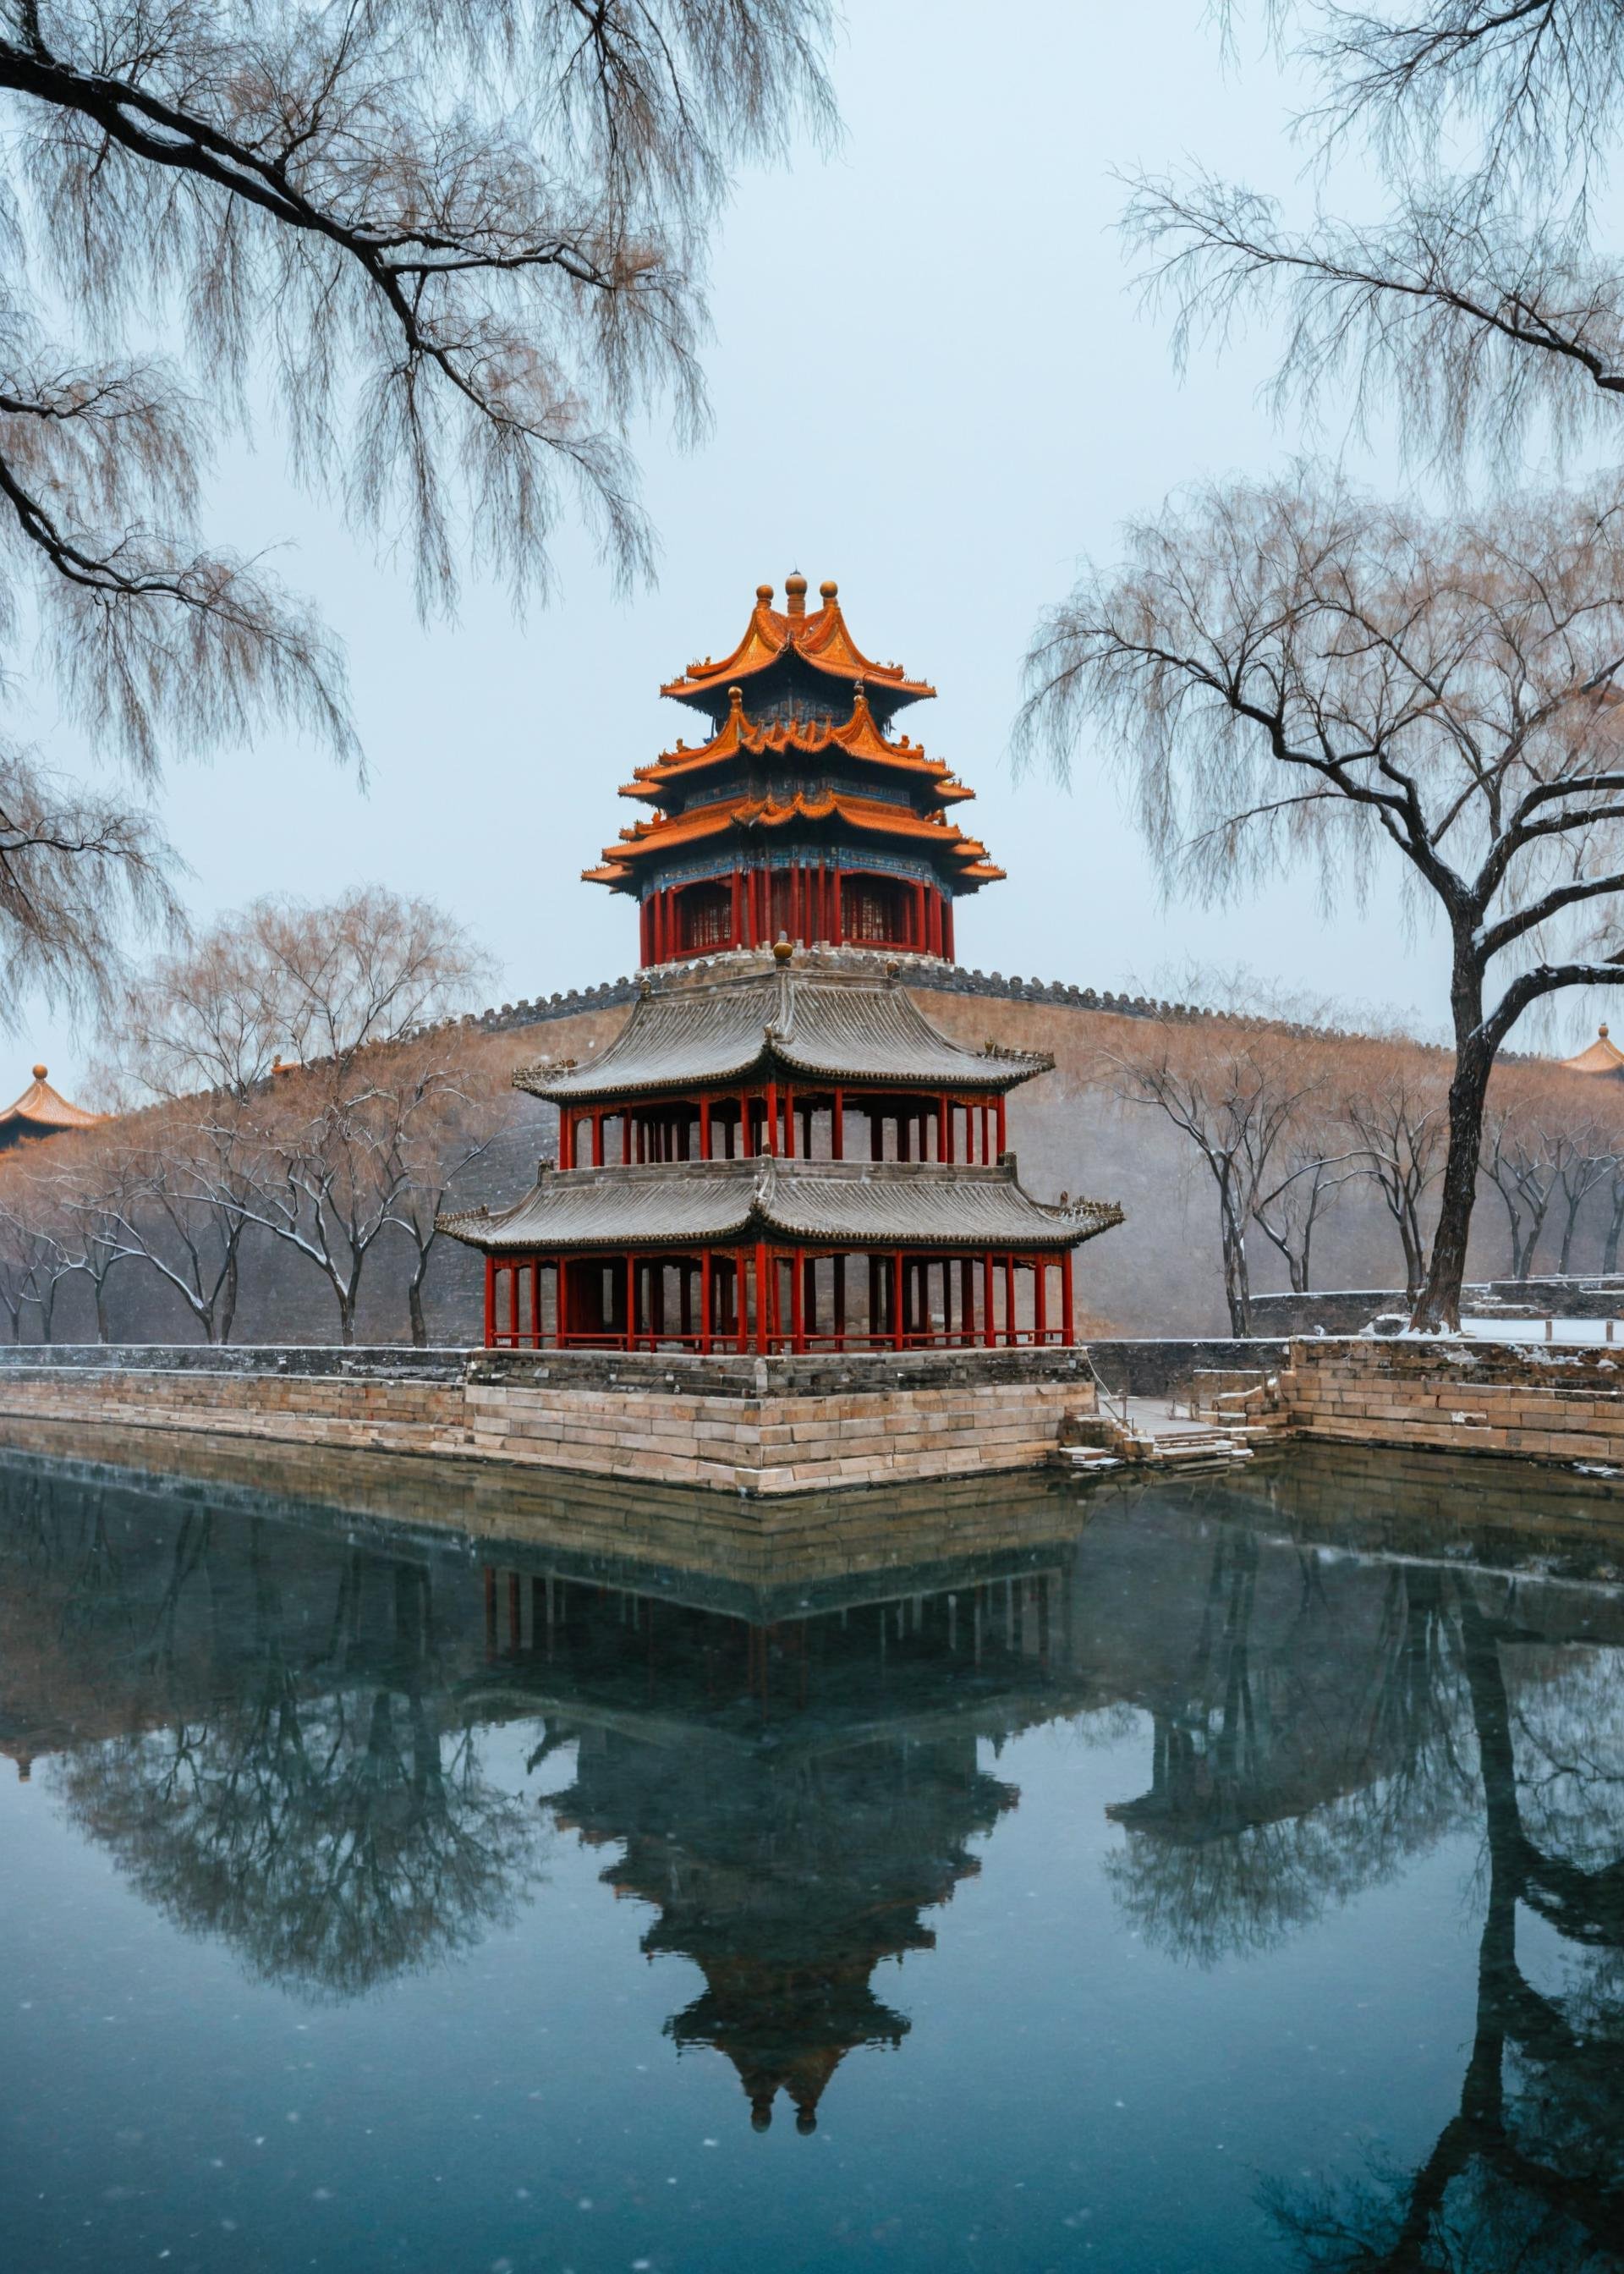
(777, 1109)
(801, 811)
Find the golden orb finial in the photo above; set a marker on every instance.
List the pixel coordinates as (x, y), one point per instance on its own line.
(795, 594)
(40, 1073)
(782, 947)
(828, 590)
(763, 593)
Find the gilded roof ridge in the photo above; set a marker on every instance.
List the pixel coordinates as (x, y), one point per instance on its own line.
(819, 638)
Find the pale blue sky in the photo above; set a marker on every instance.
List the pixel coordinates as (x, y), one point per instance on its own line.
(932, 381)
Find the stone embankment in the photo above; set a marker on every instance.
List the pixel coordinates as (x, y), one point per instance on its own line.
(762, 1426)
(1535, 1402)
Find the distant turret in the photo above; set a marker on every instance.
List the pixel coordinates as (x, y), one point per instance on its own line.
(41, 1111)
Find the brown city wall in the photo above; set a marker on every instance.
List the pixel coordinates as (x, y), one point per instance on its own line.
(745, 1432)
(1447, 1396)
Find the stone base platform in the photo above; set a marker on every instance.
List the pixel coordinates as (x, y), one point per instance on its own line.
(758, 1427)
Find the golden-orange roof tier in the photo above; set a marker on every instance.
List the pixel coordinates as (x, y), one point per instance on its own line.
(657, 838)
(820, 639)
(43, 1111)
(1603, 1056)
(860, 737)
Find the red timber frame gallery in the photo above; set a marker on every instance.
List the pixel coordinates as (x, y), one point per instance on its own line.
(766, 1298)
(820, 905)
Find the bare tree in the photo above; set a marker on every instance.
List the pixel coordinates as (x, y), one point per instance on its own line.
(1547, 1146)
(1293, 672)
(1399, 1118)
(320, 1153)
(1481, 304)
(1520, 1160)
(1237, 1089)
(1288, 1212)
(463, 249)
(446, 1152)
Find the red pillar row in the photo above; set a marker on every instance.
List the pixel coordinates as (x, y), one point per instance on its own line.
(894, 1276)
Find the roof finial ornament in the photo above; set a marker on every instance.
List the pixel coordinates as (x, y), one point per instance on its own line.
(735, 698)
(40, 1071)
(827, 591)
(764, 593)
(782, 948)
(795, 595)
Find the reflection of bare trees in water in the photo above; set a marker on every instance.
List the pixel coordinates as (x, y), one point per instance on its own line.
(1529, 2173)
(326, 1826)
(1291, 1772)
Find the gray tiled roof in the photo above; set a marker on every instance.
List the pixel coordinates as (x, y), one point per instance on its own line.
(862, 1204)
(835, 1027)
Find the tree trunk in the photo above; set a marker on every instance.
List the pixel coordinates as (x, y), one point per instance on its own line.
(1615, 1230)
(1569, 1227)
(414, 1305)
(1439, 1306)
(102, 1335)
(228, 1296)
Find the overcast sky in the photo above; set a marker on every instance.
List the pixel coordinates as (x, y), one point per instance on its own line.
(932, 381)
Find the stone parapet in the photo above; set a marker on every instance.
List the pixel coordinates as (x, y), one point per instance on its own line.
(1346, 1310)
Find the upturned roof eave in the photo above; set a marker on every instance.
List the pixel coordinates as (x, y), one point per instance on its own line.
(755, 1199)
(995, 1076)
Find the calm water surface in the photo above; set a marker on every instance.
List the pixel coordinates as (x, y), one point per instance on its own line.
(1225, 1878)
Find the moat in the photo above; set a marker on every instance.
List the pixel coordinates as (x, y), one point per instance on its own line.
(403, 1871)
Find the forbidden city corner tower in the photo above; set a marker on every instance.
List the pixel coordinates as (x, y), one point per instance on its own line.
(778, 1153)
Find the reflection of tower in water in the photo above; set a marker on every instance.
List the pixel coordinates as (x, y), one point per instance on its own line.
(791, 1799)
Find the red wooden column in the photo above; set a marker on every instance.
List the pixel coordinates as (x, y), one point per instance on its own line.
(560, 1304)
(838, 929)
(944, 1142)
(1068, 1311)
(535, 1302)
(897, 1330)
(840, 1302)
(1010, 1326)
(631, 1302)
(789, 1120)
(704, 1128)
(704, 1302)
(1003, 1134)
(947, 928)
(1040, 1299)
(798, 1303)
(490, 1302)
(769, 1128)
(763, 1329)
(598, 1137)
(512, 1304)
(736, 929)
(989, 1331)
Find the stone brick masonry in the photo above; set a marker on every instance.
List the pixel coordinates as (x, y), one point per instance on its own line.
(1547, 1403)
(758, 1427)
